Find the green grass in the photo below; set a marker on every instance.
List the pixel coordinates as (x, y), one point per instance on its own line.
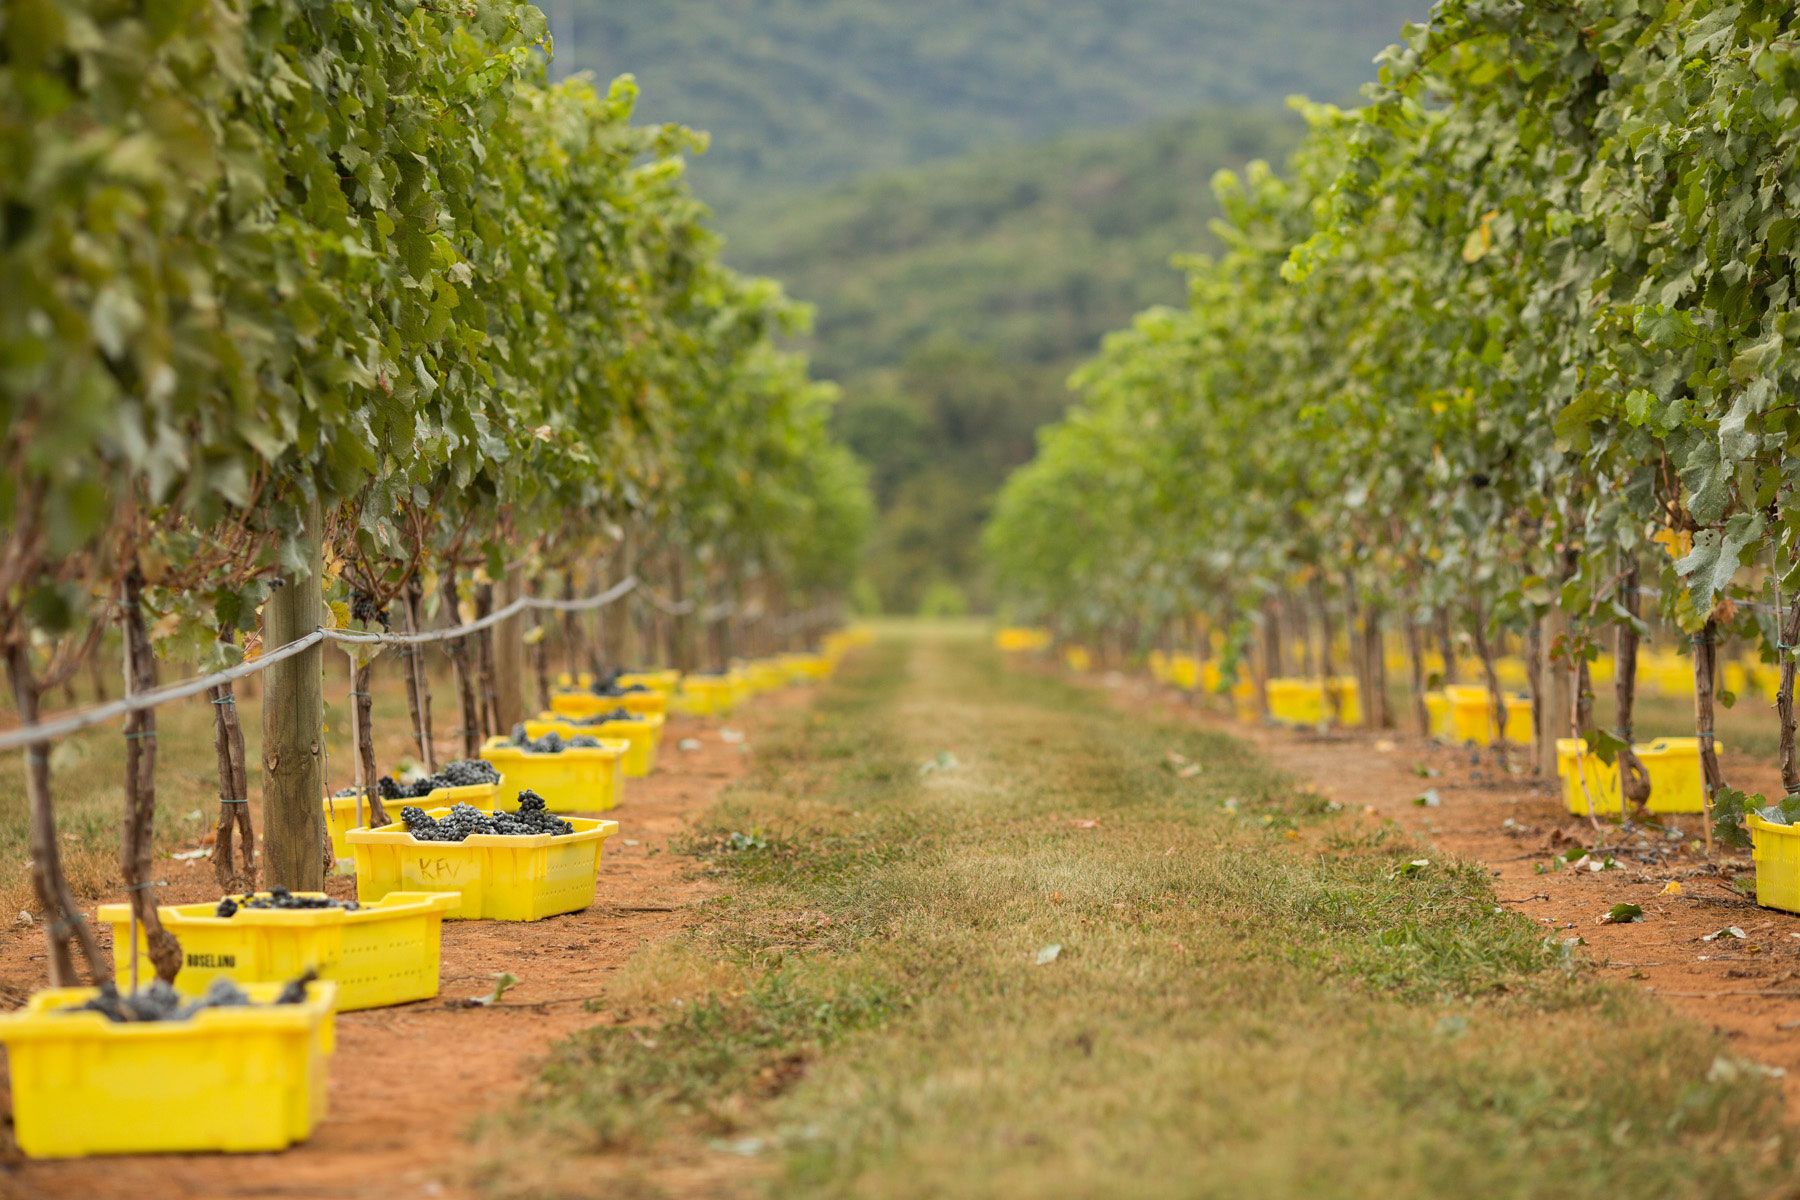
(88, 775)
(1255, 995)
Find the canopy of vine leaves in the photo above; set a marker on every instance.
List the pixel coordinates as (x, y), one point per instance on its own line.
(1528, 308)
(259, 254)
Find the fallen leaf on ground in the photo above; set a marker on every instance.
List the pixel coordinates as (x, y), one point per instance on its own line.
(1729, 931)
(1084, 823)
(943, 761)
(1622, 914)
(1671, 888)
(1049, 954)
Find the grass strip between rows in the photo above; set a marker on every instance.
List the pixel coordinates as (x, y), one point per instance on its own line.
(1254, 994)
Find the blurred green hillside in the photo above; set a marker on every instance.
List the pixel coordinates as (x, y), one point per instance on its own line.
(802, 92)
(1033, 251)
(970, 194)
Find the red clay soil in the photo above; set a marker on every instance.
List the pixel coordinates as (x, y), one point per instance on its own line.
(1748, 989)
(406, 1081)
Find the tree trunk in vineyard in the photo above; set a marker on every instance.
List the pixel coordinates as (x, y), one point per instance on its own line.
(486, 693)
(1484, 650)
(1446, 645)
(63, 922)
(1556, 712)
(1375, 701)
(137, 846)
(361, 706)
(1327, 635)
(293, 729)
(418, 683)
(573, 650)
(1272, 655)
(1634, 780)
(540, 662)
(458, 649)
(1788, 624)
(624, 640)
(1534, 673)
(234, 838)
(1415, 658)
(97, 673)
(681, 647)
(508, 641)
(1310, 660)
(1705, 669)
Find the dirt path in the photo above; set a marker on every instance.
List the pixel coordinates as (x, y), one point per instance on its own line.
(407, 1081)
(1748, 989)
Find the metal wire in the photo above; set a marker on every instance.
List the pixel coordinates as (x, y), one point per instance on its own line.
(45, 731)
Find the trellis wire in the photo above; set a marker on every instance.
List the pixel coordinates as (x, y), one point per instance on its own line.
(45, 731)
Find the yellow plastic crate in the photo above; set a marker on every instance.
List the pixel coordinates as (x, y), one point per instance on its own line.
(1666, 672)
(496, 877)
(1184, 672)
(1677, 784)
(579, 779)
(707, 696)
(1776, 852)
(1512, 672)
(1437, 712)
(764, 675)
(582, 705)
(657, 681)
(740, 686)
(1078, 658)
(340, 811)
(340, 818)
(1020, 640)
(1294, 701)
(384, 953)
(1752, 680)
(227, 1079)
(643, 736)
(1298, 701)
(1472, 717)
(805, 668)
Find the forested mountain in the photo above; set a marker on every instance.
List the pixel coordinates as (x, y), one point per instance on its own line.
(970, 194)
(952, 300)
(802, 92)
(1033, 251)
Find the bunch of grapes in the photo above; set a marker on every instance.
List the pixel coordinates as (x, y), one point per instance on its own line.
(617, 714)
(363, 608)
(465, 819)
(278, 898)
(551, 743)
(608, 685)
(161, 1002)
(464, 772)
